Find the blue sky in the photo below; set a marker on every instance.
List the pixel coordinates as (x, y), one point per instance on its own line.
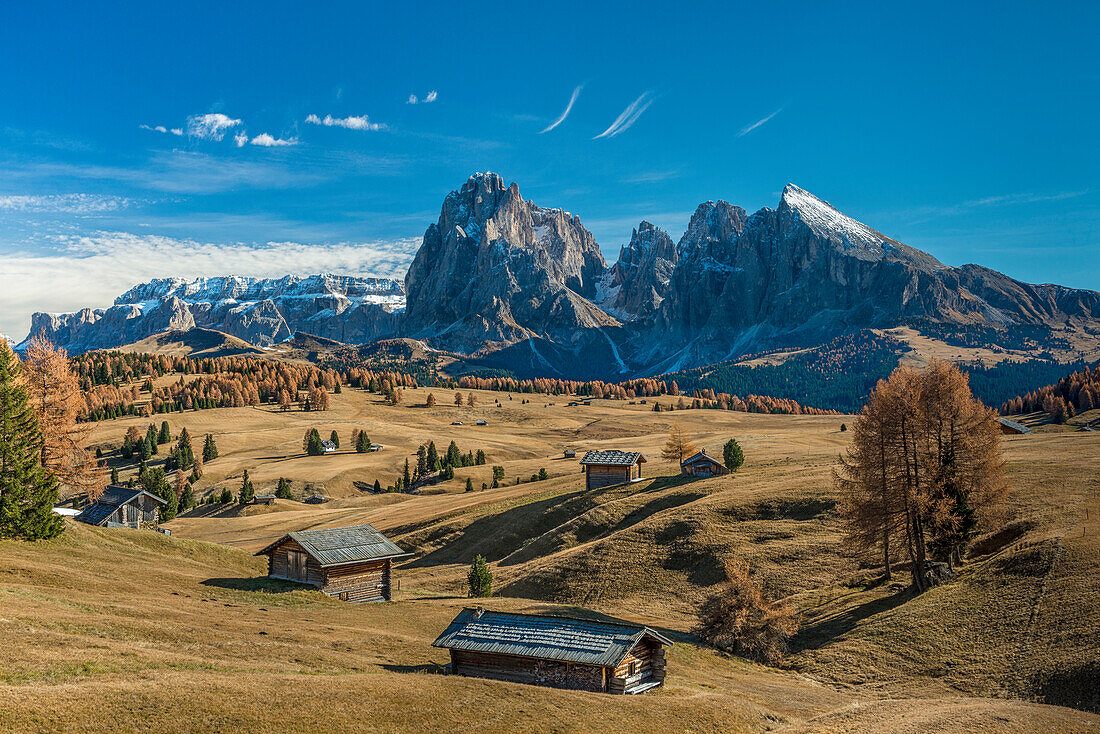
(967, 130)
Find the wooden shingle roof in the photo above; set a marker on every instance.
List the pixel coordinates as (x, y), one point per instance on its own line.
(567, 639)
(613, 457)
(112, 498)
(1018, 427)
(337, 546)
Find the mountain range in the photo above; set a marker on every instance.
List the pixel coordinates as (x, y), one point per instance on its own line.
(510, 284)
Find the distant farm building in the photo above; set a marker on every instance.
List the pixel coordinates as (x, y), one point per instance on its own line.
(480, 423)
(315, 499)
(456, 423)
(350, 564)
(702, 464)
(1012, 427)
(374, 447)
(128, 507)
(329, 447)
(559, 652)
(570, 454)
(264, 499)
(604, 468)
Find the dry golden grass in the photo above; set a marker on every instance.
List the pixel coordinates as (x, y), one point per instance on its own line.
(124, 630)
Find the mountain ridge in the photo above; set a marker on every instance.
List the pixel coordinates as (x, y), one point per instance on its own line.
(526, 288)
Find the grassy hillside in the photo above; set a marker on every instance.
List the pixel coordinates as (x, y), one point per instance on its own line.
(103, 626)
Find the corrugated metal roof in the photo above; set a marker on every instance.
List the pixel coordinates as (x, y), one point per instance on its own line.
(336, 546)
(112, 498)
(551, 638)
(613, 457)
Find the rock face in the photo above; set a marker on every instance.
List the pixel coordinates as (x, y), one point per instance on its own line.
(261, 312)
(639, 281)
(496, 269)
(517, 286)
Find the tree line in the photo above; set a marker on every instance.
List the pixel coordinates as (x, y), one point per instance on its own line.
(1075, 393)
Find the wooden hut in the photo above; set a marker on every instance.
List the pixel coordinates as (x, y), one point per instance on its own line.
(604, 468)
(559, 652)
(1012, 427)
(570, 454)
(315, 499)
(351, 564)
(702, 464)
(264, 499)
(119, 506)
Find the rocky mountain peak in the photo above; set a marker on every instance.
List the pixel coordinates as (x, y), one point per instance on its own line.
(638, 282)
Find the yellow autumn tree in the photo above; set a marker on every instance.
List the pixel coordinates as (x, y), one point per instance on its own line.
(678, 446)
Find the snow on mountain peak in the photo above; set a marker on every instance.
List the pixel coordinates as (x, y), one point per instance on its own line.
(828, 222)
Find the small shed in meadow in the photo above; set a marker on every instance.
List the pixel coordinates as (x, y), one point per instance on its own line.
(702, 464)
(264, 499)
(351, 564)
(570, 454)
(315, 499)
(1012, 427)
(329, 447)
(604, 468)
(559, 652)
(119, 506)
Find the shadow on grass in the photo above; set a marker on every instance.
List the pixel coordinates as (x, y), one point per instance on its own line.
(822, 632)
(257, 583)
(429, 668)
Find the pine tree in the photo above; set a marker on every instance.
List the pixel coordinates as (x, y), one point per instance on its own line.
(154, 482)
(226, 496)
(114, 475)
(362, 443)
(146, 449)
(433, 457)
(421, 469)
(209, 449)
(469, 484)
(247, 493)
(406, 479)
(165, 435)
(335, 438)
(543, 475)
(314, 446)
(480, 578)
(732, 455)
(151, 436)
(377, 486)
(283, 491)
(27, 491)
(479, 459)
(454, 456)
(186, 450)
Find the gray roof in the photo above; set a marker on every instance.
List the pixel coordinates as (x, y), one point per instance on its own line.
(613, 457)
(551, 638)
(1018, 427)
(112, 498)
(337, 546)
(701, 457)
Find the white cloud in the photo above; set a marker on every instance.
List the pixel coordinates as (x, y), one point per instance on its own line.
(241, 139)
(431, 96)
(428, 98)
(565, 114)
(749, 128)
(628, 116)
(267, 140)
(64, 203)
(161, 129)
(361, 122)
(90, 271)
(211, 126)
(176, 131)
(413, 99)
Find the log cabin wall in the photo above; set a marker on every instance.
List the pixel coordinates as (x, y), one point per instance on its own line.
(645, 663)
(359, 582)
(534, 671)
(598, 475)
(278, 565)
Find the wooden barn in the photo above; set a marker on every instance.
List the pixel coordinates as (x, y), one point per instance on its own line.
(119, 506)
(702, 464)
(559, 652)
(350, 564)
(604, 468)
(1012, 427)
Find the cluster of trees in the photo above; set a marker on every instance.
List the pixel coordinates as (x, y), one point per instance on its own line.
(181, 456)
(679, 446)
(1076, 392)
(431, 464)
(700, 397)
(108, 378)
(923, 471)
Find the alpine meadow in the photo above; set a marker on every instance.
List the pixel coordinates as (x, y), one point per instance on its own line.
(398, 368)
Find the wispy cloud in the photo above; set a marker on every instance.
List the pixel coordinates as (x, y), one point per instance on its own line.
(428, 98)
(565, 113)
(64, 203)
(652, 176)
(89, 271)
(267, 140)
(211, 126)
(746, 130)
(628, 116)
(361, 122)
(161, 129)
(919, 214)
(749, 128)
